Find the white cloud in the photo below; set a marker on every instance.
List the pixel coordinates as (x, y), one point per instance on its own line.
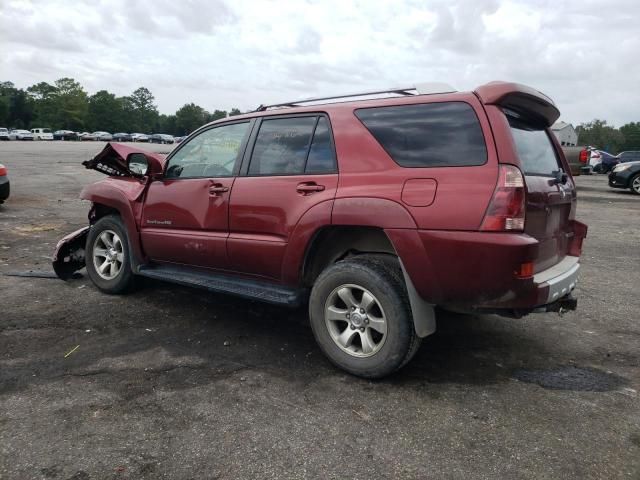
(246, 52)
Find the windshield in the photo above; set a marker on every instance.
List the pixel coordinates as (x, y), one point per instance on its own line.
(534, 148)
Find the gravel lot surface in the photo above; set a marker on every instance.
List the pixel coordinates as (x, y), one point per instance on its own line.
(170, 382)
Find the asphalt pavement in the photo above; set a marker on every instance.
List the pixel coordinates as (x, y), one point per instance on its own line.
(170, 382)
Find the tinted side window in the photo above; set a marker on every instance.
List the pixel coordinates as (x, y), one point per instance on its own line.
(212, 153)
(428, 135)
(322, 158)
(281, 146)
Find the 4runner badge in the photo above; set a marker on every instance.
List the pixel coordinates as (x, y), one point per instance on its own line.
(159, 222)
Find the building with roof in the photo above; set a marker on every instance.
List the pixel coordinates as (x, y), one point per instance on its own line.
(565, 133)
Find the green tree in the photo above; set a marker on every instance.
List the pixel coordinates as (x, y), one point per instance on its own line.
(189, 117)
(72, 105)
(105, 112)
(142, 110)
(631, 136)
(44, 100)
(217, 115)
(235, 111)
(600, 135)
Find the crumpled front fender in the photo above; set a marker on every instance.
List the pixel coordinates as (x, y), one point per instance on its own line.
(68, 256)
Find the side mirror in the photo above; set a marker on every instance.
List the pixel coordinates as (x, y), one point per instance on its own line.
(142, 165)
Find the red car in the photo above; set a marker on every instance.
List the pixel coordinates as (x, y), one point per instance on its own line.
(371, 210)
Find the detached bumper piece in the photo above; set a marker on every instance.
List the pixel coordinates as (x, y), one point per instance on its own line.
(69, 254)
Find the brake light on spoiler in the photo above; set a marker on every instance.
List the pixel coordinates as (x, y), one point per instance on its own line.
(506, 211)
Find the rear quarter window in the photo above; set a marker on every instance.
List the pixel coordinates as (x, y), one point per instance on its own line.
(446, 134)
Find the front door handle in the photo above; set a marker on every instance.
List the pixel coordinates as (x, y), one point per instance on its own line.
(309, 187)
(217, 189)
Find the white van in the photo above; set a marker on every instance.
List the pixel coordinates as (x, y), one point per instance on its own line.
(42, 134)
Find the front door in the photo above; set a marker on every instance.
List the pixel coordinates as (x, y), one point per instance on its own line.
(186, 214)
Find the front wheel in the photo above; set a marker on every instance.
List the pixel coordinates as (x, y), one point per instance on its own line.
(108, 257)
(361, 318)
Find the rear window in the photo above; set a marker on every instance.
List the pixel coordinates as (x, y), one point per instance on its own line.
(446, 134)
(535, 150)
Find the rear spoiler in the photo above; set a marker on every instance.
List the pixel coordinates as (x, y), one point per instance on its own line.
(112, 160)
(527, 102)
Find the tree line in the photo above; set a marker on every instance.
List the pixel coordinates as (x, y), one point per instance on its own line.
(606, 137)
(65, 105)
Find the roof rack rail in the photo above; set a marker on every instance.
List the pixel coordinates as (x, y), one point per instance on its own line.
(418, 89)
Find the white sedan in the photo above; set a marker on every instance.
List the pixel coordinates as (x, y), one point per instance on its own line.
(20, 135)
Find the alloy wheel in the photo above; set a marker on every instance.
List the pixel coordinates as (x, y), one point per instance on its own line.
(355, 320)
(108, 254)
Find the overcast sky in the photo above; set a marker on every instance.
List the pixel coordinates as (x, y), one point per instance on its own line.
(584, 54)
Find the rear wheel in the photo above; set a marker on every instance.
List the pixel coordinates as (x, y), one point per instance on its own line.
(361, 318)
(108, 257)
(635, 184)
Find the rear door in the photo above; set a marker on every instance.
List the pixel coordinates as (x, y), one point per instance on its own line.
(550, 203)
(292, 168)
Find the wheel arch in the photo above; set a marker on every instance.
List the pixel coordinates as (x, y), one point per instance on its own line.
(108, 200)
(334, 243)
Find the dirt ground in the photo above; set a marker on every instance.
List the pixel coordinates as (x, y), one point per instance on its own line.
(170, 382)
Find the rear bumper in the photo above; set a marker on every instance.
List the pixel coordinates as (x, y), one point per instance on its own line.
(474, 271)
(559, 280)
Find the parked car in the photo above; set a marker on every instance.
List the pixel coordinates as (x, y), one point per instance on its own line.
(601, 161)
(626, 175)
(121, 137)
(98, 136)
(4, 134)
(83, 135)
(180, 139)
(139, 137)
(5, 187)
(629, 156)
(20, 135)
(65, 135)
(42, 134)
(578, 159)
(372, 210)
(161, 138)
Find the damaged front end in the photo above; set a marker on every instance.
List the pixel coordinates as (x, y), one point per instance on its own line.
(69, 254)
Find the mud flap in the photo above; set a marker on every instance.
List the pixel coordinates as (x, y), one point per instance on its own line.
(424, 316)
(69, 254)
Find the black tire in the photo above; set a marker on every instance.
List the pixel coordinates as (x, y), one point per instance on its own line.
(382, 277)
(124, 280)
(633, 179)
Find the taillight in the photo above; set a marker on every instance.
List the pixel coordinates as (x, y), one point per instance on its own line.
(584, 156)
(506, 210)
(3, 170)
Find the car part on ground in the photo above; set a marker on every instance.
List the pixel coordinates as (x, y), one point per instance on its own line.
(367, 204)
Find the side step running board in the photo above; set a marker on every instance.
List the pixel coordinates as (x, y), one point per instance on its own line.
(251, 289)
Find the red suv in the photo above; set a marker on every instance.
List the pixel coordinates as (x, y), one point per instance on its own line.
(372, 211)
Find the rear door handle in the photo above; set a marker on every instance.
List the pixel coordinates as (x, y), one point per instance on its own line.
(307, 188)
(217, 189)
